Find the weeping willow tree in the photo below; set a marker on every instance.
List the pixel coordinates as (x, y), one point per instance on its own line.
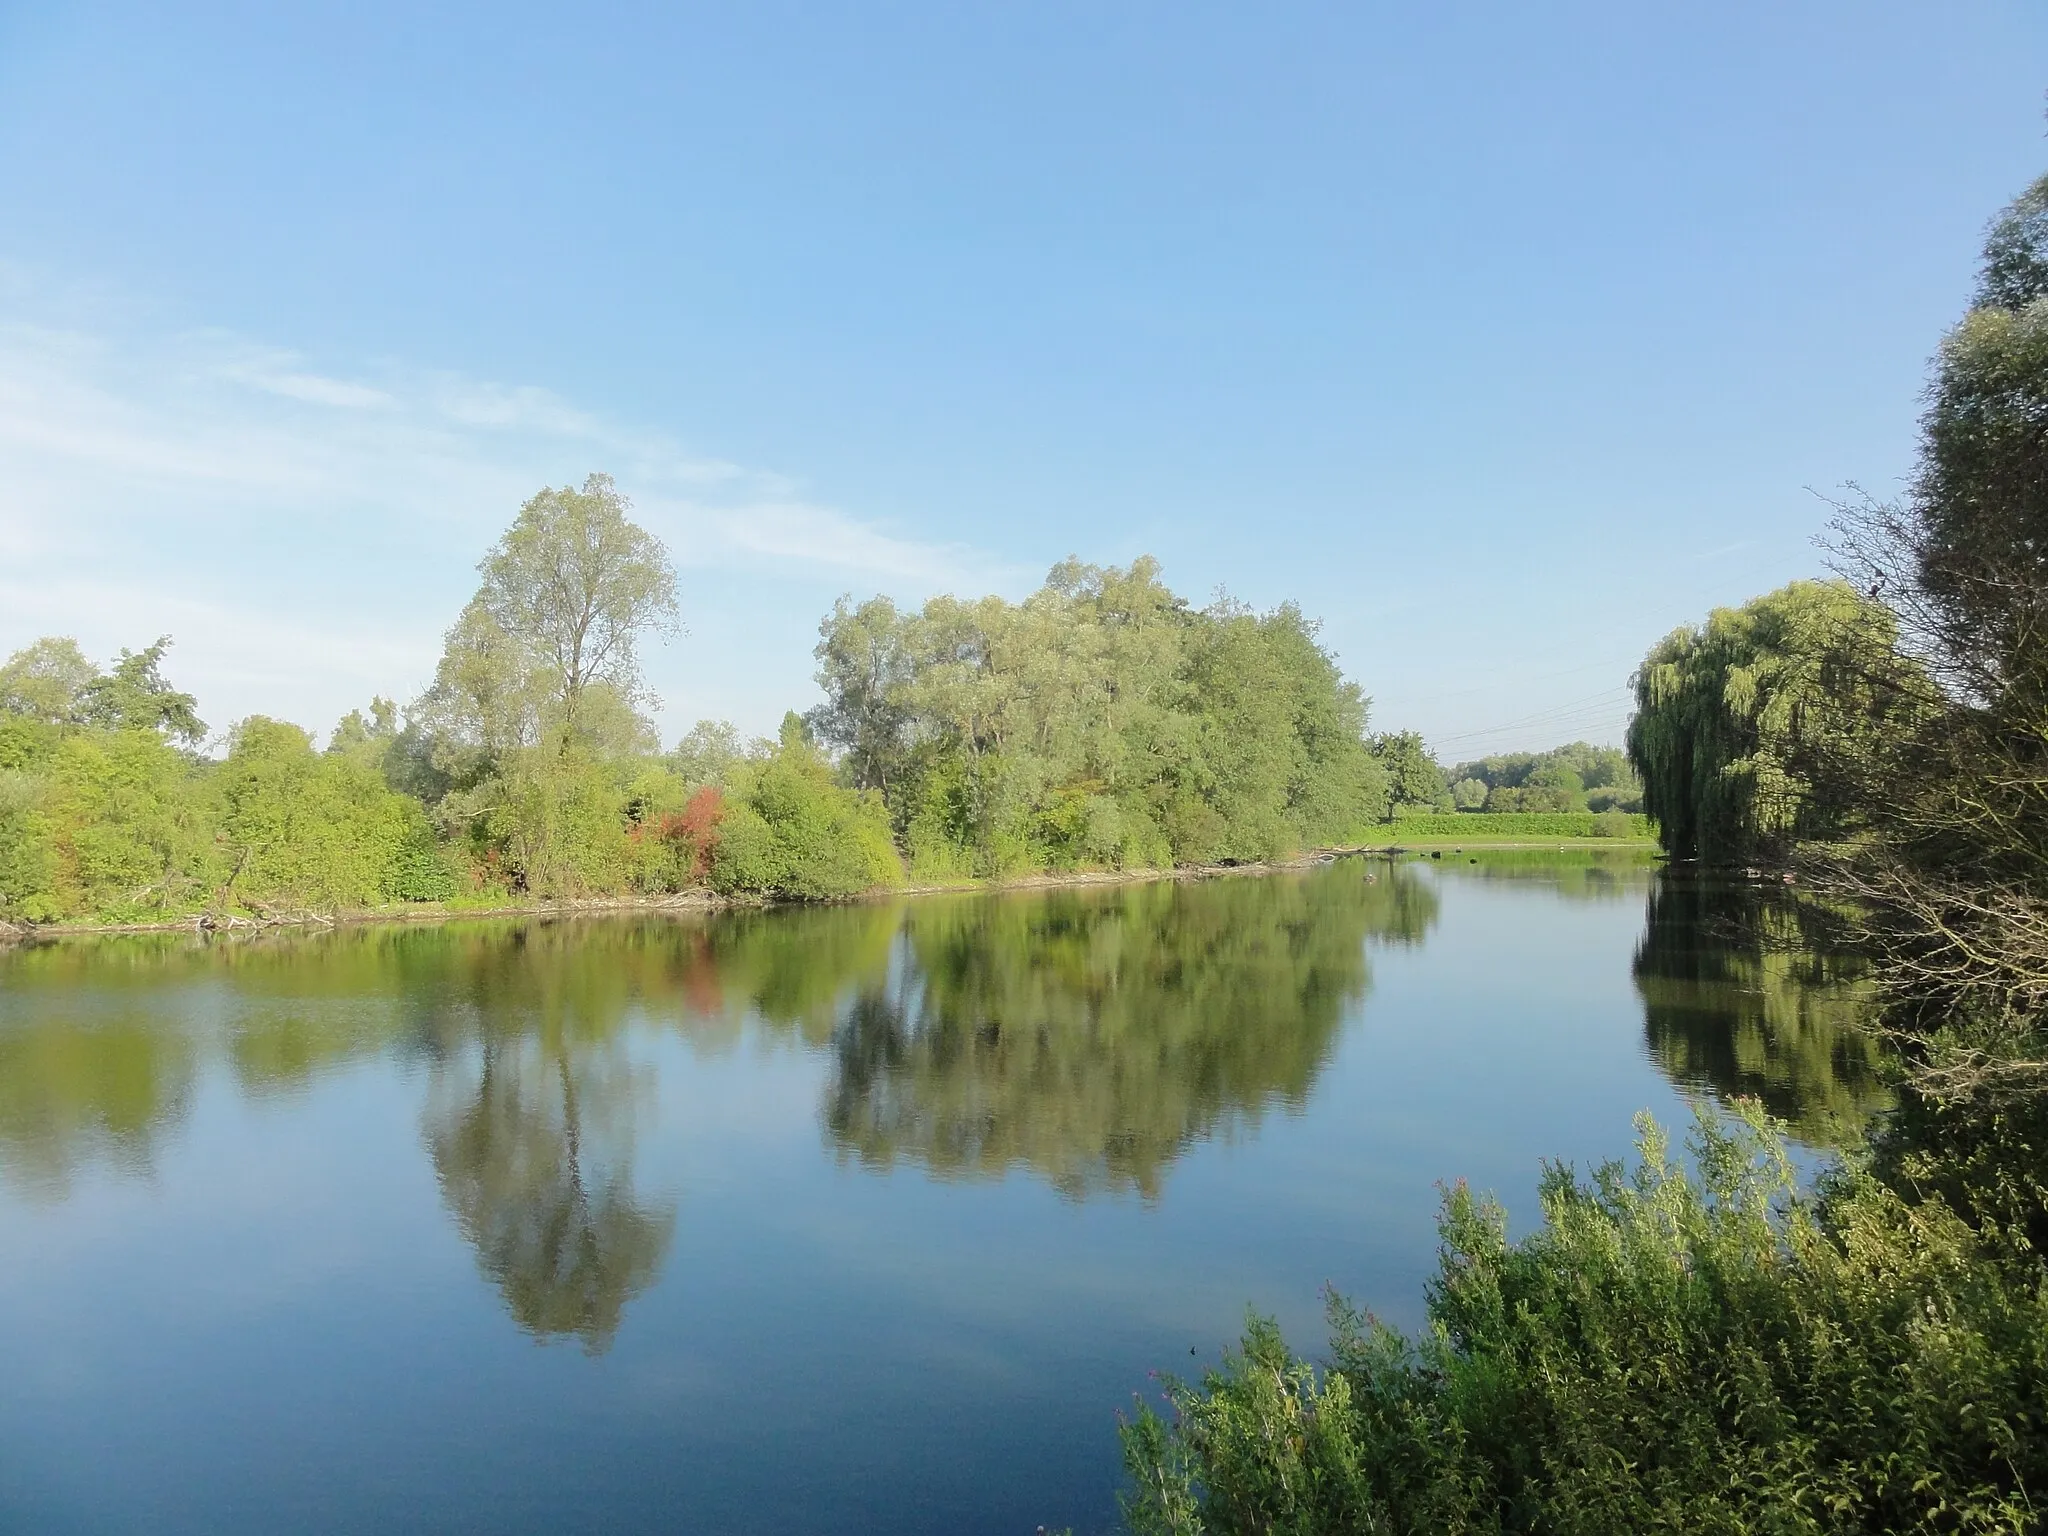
(1733, 715)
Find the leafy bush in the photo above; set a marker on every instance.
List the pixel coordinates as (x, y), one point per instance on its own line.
(789, 830)
(418, 870)
(304, 829)
(1672, 1351)
(130, 827)
(559, 818)
(28, 854)
(673, 849)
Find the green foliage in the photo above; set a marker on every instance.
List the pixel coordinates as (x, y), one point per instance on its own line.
(28, 852)
(789, 829)
(98, 813)
(306, 830)
(136, 697)
(1414, 778)
(559, 818)
(1575, 777)
(418, 869)
(47, 681)
(1100, 723)
(573, 583)
(1673, 1349)
(1979, 547)
(707, 754)
(130, 827)
(1730, 717)
(1534, 826)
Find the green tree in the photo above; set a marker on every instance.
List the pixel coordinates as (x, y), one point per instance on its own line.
(707, 753)
(1575, 777)
(1732, 718)
(47, 681)
(1414, 777)
(864, 667)
(531, 737)
(574, 583)
(1102, 721)
(368, 738)
(135, 696)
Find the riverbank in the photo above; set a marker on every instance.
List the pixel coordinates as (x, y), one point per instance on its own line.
(683, 901)
(712, 901)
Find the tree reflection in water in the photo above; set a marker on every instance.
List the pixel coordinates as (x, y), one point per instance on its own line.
(74, 1092)
(1744, 996)
(533, 1146)
(1090, 1036)
(1086, 1036)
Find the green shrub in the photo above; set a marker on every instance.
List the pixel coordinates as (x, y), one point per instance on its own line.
(789, 830)
(418, 870)
(302, 829)
(560, 822)
(28, 852)
(130, 825)
(1613, 824)
(1669, 1351)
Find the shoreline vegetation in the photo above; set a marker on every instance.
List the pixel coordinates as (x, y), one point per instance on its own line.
(1103, 724)
(703, 899)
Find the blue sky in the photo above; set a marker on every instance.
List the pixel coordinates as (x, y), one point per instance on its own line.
(1503, 338)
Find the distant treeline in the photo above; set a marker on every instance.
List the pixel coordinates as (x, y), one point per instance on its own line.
(1578, 777)
(1103, 722)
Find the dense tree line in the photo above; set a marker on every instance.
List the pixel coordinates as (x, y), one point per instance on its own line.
(528, 768)
(1575, 777)
(1102, 722)
(1697, 1343)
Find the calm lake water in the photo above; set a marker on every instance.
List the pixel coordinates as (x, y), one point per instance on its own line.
(859, 1219)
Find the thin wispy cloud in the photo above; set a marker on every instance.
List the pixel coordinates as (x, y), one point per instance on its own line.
(311, 528)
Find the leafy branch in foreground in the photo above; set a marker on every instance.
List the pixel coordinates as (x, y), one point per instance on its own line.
(1673, 1349)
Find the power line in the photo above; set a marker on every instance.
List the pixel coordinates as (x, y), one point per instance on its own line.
(1592, 707)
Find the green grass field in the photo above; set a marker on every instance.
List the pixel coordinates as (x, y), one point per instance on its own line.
(1529, 827)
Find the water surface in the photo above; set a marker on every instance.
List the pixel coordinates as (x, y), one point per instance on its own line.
(859, 1219)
